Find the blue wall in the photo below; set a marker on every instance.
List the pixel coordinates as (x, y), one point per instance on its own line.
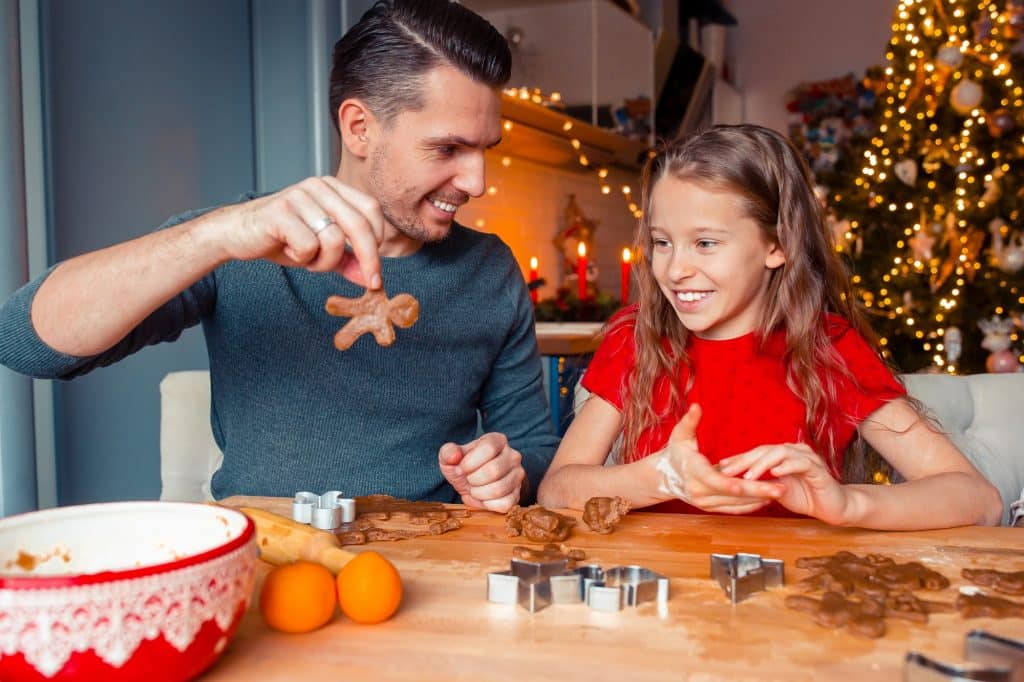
(149, 108)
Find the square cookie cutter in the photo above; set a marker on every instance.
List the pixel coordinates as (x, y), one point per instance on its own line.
(326, 512)
(742, 574)
(989, 657)
(535, 585)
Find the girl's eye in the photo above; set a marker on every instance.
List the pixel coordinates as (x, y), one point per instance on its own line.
(706, 243)
(661, 243)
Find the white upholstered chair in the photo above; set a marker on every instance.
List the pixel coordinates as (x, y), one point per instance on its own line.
(188, 453)
(982, 413)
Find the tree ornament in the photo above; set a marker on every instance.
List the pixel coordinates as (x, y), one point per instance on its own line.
(1000, 122)
(953, 343)
(839, 228)
(1007, 255)
(906, 171)
(992, 190)
(982, 27)
(997, 341)
(921, 245)
(966, 95)
(1014, 27)
(1002, 362)
(948, 57)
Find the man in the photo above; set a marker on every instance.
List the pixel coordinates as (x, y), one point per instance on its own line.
(415, 97)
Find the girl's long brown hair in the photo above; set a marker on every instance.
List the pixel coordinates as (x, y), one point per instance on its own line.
(761, 167)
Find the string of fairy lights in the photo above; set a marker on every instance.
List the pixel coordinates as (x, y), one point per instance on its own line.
(912, 99)
(601, 173)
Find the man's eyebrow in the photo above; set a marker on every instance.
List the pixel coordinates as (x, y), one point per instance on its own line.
(460, 141)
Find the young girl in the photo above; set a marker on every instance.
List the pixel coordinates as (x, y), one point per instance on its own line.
(746, 370)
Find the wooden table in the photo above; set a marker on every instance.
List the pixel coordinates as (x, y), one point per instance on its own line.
(447, 630)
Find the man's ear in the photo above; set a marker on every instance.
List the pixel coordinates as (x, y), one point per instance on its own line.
(355, 120)
(775, 258)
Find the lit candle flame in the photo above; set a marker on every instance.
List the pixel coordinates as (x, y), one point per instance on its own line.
(627, 256)
(581, 249)
(533, 263)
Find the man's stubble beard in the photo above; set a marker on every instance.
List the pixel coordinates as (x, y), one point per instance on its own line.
(412, 225)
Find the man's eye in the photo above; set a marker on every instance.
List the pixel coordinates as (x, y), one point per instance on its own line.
(446, 150)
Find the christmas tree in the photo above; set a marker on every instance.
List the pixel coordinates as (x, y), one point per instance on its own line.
(929, 209)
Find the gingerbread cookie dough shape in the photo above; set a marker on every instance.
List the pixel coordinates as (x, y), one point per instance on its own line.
(538, 524)
(373, 312)
(386, 518)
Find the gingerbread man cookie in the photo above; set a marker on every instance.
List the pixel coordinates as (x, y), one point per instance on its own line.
(374, 312)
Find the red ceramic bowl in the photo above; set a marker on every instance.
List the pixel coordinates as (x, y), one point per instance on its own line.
(121, 591)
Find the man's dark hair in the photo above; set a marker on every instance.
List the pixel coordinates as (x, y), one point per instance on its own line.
(381, 59)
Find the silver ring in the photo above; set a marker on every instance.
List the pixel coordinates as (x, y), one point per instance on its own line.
(321, 224)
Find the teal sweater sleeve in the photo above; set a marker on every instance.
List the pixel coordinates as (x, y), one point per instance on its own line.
(22, 350)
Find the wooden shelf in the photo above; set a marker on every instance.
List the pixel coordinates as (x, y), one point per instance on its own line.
(568, 338)
(538, 133)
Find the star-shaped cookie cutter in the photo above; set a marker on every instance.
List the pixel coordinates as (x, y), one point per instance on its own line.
(535, 585)
(989, 657)
(742, 574)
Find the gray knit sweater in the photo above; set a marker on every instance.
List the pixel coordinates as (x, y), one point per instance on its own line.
(292, 413)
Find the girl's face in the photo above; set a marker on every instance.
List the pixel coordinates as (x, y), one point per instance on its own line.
(711, 261)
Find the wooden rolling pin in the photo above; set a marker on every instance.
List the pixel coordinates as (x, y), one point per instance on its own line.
(282, 541)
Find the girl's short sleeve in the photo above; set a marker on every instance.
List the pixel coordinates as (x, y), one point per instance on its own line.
(870, 383)
(607, 374)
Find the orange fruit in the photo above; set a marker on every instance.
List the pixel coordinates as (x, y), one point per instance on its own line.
(369, 588)
(298, 597)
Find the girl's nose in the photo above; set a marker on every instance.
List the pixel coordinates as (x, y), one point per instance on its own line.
(680, 267)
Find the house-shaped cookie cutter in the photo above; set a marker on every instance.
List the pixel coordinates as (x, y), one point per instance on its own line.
(537, 584)
(326, 512)
(741, 574)
(989, 657)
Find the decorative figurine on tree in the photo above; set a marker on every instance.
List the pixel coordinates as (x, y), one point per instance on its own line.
(997, 339)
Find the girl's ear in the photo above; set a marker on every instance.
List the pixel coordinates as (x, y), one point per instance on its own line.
(355, 120)
(775, 257)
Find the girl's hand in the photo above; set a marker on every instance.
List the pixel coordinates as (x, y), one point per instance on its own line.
(809, 488)
(684, 473)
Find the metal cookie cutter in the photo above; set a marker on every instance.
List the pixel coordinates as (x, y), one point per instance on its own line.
(627, 586)
(989, 657)
(535, 585)
(528, 583)
(741, 575)
(327, 511)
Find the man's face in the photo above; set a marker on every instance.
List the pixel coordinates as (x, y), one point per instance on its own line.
(424, 164)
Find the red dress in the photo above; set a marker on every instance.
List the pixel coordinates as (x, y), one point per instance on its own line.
(743, 394)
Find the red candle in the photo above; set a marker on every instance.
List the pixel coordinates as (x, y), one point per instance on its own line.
(534, 293)
(627, 266)
(581, 270)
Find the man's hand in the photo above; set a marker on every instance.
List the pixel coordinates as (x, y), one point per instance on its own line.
(685, 474)
(486, 472)
(308, 225)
